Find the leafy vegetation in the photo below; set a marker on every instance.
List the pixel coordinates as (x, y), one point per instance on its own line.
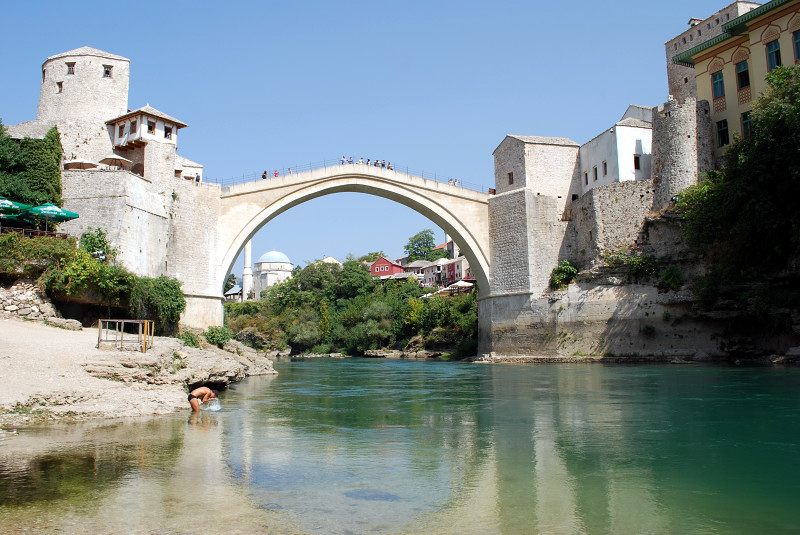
(95, 242)
(421, 245)
(30, 169)
(638, 267)
(189, 338)
(562, 275)
(70, 273)
(326, 308)
(744, 218)
(217, 335)
(670, 278)
(230, 282)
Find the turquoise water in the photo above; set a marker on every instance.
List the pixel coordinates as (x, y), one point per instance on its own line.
(366, 446)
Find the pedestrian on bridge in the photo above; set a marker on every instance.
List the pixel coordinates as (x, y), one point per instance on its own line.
(275, 174)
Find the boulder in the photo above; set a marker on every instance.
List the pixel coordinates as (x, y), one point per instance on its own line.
(62, 323)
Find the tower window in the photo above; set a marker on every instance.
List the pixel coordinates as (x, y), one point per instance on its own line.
(60, 86)
(71, 67)
(121, 130)
(586, 178)
(107, 71)
(605, 168)
(742, 74)
(510, 178)
(594, 171)
(773, 55)
(637, 162)
(167, 132)
(133, 127)
(722, 133)
(151, 127)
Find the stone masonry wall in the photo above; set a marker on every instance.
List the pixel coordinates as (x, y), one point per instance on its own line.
(508, 221)
(24, 300)
(675, 151)
(608, 218)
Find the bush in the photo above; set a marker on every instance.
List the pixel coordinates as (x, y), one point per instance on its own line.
(85, 279)
(189, 339)
(670, 279)
(562, 275)
(217, 335)
(638, 267)
(157, 298)
(30, 169)
(30, 257)
(96, 242)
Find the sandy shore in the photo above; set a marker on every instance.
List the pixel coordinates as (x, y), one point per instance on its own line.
(50, 373)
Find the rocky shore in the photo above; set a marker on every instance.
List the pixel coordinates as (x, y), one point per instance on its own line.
(51, 373)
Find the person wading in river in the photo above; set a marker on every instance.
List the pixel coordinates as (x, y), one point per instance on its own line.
(200, 395)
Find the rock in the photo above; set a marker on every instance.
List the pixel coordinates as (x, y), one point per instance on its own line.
(62, 323)
(24, 311)
(253, 338)
(11, 308)
(793, 351)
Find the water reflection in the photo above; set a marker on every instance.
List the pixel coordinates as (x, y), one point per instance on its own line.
(409, 447)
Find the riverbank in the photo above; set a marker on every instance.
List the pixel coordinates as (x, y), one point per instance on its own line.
(54, 374)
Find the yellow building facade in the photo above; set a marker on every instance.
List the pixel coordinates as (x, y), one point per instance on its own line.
(731, 68)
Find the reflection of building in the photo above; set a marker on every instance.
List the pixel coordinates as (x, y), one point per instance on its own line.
(271, 268)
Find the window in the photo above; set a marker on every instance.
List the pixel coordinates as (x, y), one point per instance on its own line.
(133, 127)
(742, 75)
(121, 130)
(70, 67)
(637, 163)
(60, 86)
(574, 197)
(43, 71)
(510, 178)
(167, 132)
(747, 124)
(796, 41)
(717, 85)
(586, 178)
(151, 127)
(605, 168)
(107, 71)
(773, 55)
(722, 133)
(594, 172)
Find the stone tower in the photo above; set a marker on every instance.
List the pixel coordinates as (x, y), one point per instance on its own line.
(81, 90)
(675, 149)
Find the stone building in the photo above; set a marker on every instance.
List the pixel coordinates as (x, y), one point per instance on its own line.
(681, 76)
(730, 70)
(158, 222)
(271, 268)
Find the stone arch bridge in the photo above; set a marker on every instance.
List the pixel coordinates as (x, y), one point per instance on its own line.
(245, 208)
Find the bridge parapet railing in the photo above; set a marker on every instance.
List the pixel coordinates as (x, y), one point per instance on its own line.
(284, 172)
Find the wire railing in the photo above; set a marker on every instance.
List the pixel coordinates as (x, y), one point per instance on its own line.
(282, 172)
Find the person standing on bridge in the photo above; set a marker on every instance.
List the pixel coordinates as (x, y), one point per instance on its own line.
(264, 175)
(389, 166)
(361, 161)
(275, 174)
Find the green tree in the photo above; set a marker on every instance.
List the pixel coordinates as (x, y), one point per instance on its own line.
(371, 257)
(421, 245)
(30, 169)
(230, 282)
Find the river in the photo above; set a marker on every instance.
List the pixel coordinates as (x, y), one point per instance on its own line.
(373, 446)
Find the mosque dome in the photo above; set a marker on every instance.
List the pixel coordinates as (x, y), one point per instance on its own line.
(274, 257)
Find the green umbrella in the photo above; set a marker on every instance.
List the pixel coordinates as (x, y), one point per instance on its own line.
(49, 212)
(7, 206)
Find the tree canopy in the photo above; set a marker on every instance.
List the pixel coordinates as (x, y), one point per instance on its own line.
(30, 169)
(421, 246)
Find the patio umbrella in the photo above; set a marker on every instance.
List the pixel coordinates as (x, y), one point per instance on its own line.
(11, 210)
(50, 212)
(115, 159)
(79, 164)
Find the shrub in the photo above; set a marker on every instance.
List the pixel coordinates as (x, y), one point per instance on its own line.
(670, 279)
(189, 339)
(30, 169)
(96, 242)
(562, 275)
(157, 298)
(637, 266)
(217, 335)
(30, 257)
(85, 279)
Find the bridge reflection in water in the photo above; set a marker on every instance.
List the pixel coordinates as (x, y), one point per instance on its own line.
(357, 446)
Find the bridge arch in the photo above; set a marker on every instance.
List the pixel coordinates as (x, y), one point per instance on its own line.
(462, 213)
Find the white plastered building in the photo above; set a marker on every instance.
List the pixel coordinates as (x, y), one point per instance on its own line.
(271, 268)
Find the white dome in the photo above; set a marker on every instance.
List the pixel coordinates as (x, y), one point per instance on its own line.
(274, 257)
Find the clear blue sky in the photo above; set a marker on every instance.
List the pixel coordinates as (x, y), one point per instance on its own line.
(431, 85)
